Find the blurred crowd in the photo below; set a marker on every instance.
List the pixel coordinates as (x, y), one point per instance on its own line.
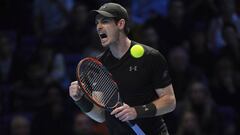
(41, 42)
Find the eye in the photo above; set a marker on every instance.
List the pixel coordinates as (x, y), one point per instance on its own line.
(96, 22)
(106, 20)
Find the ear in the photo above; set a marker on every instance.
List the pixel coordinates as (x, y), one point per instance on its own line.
(121, 24)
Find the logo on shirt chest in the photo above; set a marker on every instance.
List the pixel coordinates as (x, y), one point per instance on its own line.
(133, 68)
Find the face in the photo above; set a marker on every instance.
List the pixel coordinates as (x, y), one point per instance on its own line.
(20, 126)
(198, 93)
(198, 41)
(176, 10)
(81, 14)
(179, 59)
(190, 121)
(107, 30)
(230, 36)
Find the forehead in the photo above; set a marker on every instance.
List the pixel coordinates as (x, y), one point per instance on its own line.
(99, 16)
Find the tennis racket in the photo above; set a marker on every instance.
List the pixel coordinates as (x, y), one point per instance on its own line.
(98, 85)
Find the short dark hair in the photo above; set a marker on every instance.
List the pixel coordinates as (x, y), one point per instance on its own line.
(126, 27)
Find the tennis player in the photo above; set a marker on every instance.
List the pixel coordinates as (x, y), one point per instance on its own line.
(144, 83)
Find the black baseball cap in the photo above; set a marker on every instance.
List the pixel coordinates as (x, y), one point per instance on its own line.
(112, 10)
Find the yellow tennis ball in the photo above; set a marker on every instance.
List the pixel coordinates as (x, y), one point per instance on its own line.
(137, 51)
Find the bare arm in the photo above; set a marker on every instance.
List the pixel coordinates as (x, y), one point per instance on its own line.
(164, 104)
(96, 113)
(166, 101)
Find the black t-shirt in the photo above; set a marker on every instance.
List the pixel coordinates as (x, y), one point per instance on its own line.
(137, 79)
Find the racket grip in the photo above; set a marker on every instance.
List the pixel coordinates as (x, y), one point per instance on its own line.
(136, 128)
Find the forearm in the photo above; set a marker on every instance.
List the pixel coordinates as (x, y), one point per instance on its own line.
(87, 107)
(165, 104)
(158, 107)
(97, 114)
(94, 112)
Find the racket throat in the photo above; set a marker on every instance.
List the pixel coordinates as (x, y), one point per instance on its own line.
(110, 109)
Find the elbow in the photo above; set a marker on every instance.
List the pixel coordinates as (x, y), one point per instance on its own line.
(97, 114)
(172, 103)
(100, 120)
(175, 104)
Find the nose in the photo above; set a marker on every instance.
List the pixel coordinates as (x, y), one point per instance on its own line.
(99, 26)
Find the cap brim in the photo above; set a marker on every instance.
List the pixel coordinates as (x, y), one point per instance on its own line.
(103, 13)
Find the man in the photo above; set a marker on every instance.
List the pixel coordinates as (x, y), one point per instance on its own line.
(144, 83)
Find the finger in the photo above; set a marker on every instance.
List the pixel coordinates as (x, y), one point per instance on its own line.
(125, 117)
(120, 114)
(117, 110)
(74, 83)
(73, 88)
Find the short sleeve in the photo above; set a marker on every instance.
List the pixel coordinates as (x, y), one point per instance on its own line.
(160, 72)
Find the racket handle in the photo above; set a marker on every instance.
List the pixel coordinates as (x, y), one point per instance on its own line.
(136, 128)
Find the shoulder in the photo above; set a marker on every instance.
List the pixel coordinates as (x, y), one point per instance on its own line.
(153, 57)
(151, 53)
(148, 50)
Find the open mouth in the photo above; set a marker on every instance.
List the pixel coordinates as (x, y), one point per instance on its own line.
(103, 35)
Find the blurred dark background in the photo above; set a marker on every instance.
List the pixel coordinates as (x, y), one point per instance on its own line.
(41, 42)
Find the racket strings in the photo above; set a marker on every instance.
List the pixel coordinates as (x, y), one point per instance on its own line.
(105, 96)
(98, 83)
(104, 85)
(101, 92)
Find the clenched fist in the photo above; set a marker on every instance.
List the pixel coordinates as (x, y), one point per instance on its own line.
(75, 92)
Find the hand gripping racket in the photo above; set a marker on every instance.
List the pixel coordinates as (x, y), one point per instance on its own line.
(97, 83)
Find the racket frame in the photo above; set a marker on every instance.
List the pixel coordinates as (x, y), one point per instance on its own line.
(134, 127)
(82, 87)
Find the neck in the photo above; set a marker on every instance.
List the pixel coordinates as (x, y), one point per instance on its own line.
(120, 47)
